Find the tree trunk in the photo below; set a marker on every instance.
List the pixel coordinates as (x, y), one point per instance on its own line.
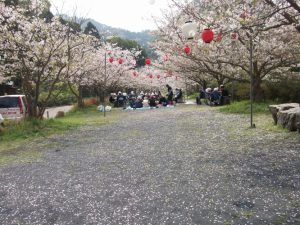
(80, 98)
(258, 93)
(78, 95)
(203, 83)
(28, 90)
(32, 108)
(101, 95)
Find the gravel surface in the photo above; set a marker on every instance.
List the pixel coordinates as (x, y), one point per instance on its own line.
(182, 165)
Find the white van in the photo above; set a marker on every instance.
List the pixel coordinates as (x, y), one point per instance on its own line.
(13, 106)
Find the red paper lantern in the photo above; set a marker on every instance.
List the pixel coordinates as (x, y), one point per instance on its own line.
(148, 61)
(187, 49)
(111, 59)
(207, 35)
(234, 36)
(166, 58)
(135, 73)
(120, 61)
(158, 76)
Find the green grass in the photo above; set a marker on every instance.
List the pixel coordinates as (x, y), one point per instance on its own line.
(15, 135)
(243, 107)
(262, 118)
(193, 96)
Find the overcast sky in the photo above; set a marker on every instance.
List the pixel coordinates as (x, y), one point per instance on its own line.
(133, 15)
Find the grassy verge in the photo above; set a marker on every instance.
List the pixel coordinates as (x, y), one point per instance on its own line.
(243, 107)
(262, 117)
(28, 133)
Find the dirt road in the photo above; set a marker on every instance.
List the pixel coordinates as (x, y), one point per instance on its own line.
(181, 165)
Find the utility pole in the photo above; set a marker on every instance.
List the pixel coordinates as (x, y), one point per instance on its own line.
(252, 125)
(104, 88)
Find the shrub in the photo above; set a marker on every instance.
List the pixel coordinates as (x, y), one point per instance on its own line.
(59, 98)
(193, 95)
(284, 89)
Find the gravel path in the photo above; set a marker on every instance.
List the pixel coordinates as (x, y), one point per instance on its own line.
(183, 165)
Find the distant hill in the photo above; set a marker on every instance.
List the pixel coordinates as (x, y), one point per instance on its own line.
(143, 38)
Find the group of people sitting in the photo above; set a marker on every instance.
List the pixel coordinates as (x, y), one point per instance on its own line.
(153, 99)
(216, 96)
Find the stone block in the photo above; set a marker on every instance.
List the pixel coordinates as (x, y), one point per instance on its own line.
(274, 109)
(286, 115)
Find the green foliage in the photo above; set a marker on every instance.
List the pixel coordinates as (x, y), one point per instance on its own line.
(11, 2)
(279, 89)
(295, 69)
(25, 4)
(193, 95)
(243, 107)
(60, 96)
(242, 91)
(284, 89)
(130, 45)
(91, 30)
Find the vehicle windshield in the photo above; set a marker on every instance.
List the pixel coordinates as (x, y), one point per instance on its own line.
(9, 102)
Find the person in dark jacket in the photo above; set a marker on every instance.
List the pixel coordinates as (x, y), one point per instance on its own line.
(152, 101)
(120, 100)
(131, 99)
(170, 93)
(178, 95)
(224, 99)
(215, 96)
(138, 103)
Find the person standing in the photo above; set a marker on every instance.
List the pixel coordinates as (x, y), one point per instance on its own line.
(224, 95)
(178, 95)
(170, 93)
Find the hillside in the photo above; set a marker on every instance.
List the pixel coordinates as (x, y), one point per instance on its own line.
(141, 37)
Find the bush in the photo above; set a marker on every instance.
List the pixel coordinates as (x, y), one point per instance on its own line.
(193, 95)
(59, 98)
(281, 89)
(284, 89)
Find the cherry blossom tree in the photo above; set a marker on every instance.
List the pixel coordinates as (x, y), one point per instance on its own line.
(37, 50)
(111, 67)
(286, 12)
(81, 54)
(153, 78)
(44, 52)
(255, 42)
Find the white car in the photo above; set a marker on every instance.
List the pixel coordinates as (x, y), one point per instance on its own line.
(13, 106)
